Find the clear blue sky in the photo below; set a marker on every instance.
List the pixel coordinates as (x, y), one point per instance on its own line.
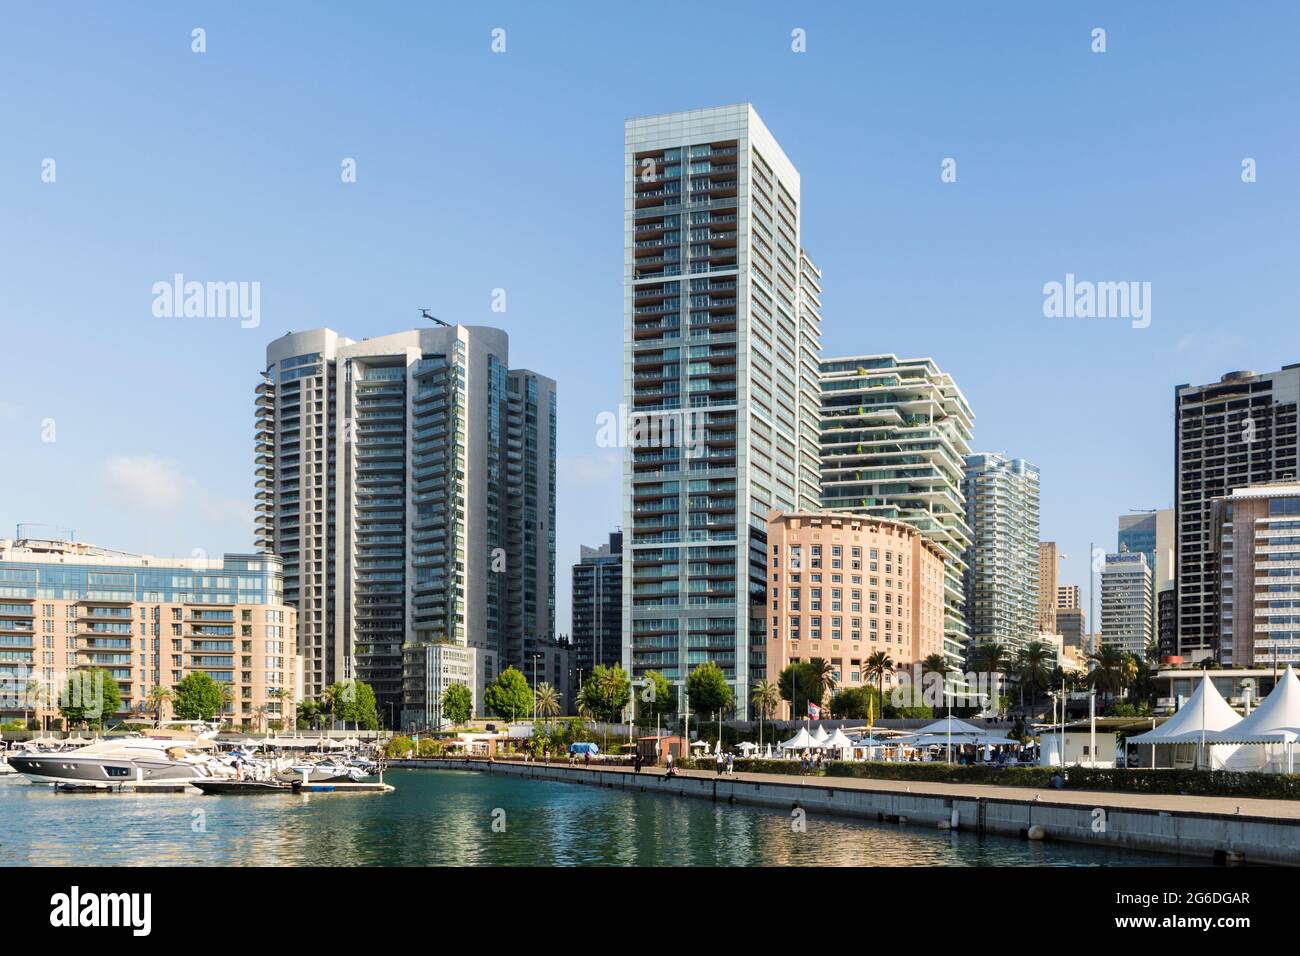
(479, 170)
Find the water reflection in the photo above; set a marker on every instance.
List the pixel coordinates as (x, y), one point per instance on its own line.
(447, 819)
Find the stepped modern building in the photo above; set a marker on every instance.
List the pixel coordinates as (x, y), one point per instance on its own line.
(408, 483)
(1236, 432)
(598, 606)
(894, 433)
(1003, 560)
(149, 622)
(722, 337)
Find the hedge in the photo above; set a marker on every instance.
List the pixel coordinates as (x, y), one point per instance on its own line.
(1211, 783)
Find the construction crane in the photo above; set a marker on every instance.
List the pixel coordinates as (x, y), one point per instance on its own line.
(425, 314)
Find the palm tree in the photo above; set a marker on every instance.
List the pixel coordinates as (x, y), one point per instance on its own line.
(329, 699)
(34, 693)
(158, 695)
(279, 694)
(1033, 667)
(878, 665)
(765, 697)
(547, 701)
(227, 700)
(990, 657)
(261, 712)
(825, 673)
(1107, 674)
(938, 664)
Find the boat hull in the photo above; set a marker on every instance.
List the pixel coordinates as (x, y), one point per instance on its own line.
(101, 771)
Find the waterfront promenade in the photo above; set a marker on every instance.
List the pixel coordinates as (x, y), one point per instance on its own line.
(1224, 829)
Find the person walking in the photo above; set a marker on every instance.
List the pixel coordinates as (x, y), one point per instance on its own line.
(670, 771)
(636, 762)
(731, 765)
(721, 762)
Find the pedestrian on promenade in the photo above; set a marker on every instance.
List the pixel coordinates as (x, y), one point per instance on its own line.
(671, 771)
(731, 765)
(546, 756)
(721, 761)
(586, 758)
(636, 762)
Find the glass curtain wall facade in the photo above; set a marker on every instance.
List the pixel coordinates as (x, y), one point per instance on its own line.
(409, 488)
(721, 321)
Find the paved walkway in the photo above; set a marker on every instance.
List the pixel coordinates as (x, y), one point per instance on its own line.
(1174, 803)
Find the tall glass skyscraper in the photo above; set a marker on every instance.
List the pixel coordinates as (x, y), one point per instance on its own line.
(722, 337)
(1003, 567)
(894, 435)
(408, 483)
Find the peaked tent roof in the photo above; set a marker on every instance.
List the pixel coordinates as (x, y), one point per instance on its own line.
(1277, 718)
(800, 741)
(959, 728)
(838, 739)
(820, 734)
(1206, 709)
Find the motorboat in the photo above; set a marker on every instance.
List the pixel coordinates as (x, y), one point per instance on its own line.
(123, 761)
(326, 771)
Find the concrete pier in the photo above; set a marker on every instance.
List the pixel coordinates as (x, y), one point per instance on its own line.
(1210, 829)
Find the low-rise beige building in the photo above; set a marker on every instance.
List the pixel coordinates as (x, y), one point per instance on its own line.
(843, 586)
(66, 606)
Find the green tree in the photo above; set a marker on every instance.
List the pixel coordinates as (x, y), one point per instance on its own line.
(604, 695)
(825, 672)
(800, 683)
(457, 703)
(855, 703)
(879, 663)
(546, 701)
(707, 689)
(400, 746)
(509, 696)
(158, 695)
(1034, 665)
(764, 696)
(658, 698)
(1107, 675)
(90, 695)
(197, 697)
(355, 701)
(308, 712)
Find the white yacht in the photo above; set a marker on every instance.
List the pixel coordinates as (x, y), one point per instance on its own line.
(127, 760)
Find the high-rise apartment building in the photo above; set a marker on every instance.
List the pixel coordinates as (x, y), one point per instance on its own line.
(1071, 626)
(1152, 534)
(1002, 561)
(1126, 600)
(149, 622)
(1236, 432)
(894, 435)
(722, 333)
(1067, 596)
(844, 586)
(1257, 597)
(408, 483)
(598, 606)
(1049, 567)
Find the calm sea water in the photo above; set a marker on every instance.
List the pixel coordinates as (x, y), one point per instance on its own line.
(445, 818)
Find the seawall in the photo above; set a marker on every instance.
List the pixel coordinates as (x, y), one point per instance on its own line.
(1212, 837)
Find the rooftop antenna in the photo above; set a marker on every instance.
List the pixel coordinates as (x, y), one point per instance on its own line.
(426, 314)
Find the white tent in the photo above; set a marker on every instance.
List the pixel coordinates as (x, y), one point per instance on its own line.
(800, 741)
(837, 741)
(1205, 711)
(958, 728)
(1271, 731)
(820, 735)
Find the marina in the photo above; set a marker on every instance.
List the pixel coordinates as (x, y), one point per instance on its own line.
(446, 818)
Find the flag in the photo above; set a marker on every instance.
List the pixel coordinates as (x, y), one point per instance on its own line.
(814, 712)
